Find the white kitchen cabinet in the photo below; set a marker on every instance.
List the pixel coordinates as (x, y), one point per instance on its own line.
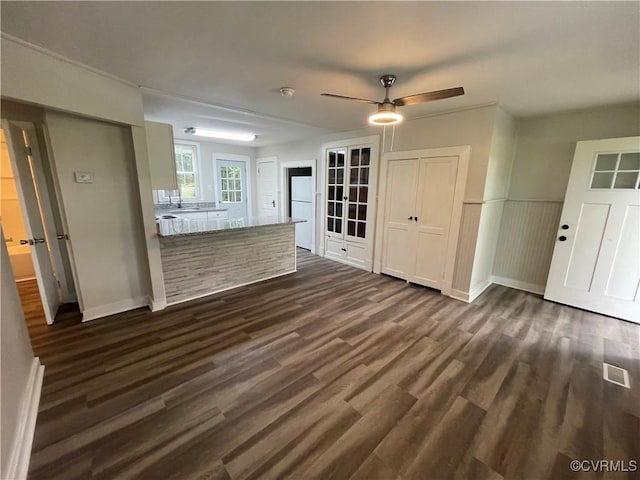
(350, 202)
(418, 208)
(162, 160)
(214, 215)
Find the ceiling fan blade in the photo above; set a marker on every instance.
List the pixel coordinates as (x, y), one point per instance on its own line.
(349, 98)
(428, 96)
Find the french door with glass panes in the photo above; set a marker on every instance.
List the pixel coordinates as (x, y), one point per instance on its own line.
(349, 231)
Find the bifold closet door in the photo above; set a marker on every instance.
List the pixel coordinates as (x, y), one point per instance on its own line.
(436, 188)
(402, 185)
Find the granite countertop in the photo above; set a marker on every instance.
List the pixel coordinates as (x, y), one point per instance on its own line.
(174, 227)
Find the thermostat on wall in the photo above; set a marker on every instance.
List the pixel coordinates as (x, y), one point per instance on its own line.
(84, 177)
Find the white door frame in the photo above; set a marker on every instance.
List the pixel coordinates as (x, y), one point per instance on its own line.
(276, 190)
(463, 153)
(284, 192)
(234, 157)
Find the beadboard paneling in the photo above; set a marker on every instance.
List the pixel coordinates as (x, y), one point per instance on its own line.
(527, 238)
(469, 224)
(196, 265)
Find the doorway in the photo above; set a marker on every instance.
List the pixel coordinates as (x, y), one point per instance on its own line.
(298, 199)
(41, 267)
(232, 184)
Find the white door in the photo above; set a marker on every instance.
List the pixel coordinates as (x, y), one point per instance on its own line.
(402, 185)
(232, 187)
(21, 162)
(436, 186)
(302, 211)
(418, 212)
(267, 188)
(596, 260)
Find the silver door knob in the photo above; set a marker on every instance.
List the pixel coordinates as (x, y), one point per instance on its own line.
(26, 242)
(39, 240)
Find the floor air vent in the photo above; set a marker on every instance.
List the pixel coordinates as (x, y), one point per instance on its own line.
(616, 375)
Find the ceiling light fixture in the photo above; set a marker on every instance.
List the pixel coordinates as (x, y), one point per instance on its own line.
(202, 132)
(386, 115)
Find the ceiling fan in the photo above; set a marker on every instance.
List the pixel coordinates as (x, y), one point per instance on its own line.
(386, 114)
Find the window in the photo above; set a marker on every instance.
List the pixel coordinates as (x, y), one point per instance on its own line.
(187, 170)
(231, 180)
(616, 171)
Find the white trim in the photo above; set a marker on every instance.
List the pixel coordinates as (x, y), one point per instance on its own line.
(464, 154)
(477, 291)
(234, 157)
(459, 295)
(283, 193)
(518, 285)
(113, 308)
(155, 305)
(21, 450)
(169, 304)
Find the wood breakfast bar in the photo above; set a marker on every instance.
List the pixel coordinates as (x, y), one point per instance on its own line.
(201, 257)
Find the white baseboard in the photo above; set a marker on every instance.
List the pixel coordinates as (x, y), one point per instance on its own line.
(21, 449)
(113, 308)
(459, 295)
(527, 287)
(155, 305)
(476, 292)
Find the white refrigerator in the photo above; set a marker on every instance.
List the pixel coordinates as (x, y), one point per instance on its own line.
(301, 209)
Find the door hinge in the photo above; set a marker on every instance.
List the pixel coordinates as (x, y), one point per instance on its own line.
(27, 149)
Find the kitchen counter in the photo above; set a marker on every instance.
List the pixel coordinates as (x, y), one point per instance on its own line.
(201, 257)
(181, 226)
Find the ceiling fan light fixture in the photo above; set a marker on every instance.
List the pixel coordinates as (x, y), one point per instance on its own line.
(385, 118)
(203, 132)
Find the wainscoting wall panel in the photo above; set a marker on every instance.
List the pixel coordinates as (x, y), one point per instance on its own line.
(525, 245)
(470, 222)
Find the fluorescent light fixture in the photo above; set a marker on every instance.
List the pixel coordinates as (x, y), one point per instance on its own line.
(385, 118)
(202, 132)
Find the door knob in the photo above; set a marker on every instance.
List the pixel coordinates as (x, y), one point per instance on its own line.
(26, 242)
(562, 238)
(416, 219)
(62, 236)
(410, 218)
(273, 202)
(39, 240)
(565, 227)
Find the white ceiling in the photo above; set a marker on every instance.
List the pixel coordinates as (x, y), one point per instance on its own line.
(220, 64)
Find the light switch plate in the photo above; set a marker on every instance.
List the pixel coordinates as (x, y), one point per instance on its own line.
(84, 177)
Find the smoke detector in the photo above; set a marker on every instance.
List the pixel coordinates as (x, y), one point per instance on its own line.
(287, 91)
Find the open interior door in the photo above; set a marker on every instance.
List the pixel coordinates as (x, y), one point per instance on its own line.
(596, 260)
(21, 163)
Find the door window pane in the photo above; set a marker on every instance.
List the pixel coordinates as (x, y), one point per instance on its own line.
(351, 228)
(352, 211)
(362, 228)
(630, 161)
(231, 184)
(606, 161)
(626, 180)
(363, 194)
(602, 180)
(364, 157)
(355, 158)
(353, 179)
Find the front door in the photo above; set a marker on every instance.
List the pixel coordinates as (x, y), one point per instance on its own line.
(596, 260)
(232, 187)
(22, 164)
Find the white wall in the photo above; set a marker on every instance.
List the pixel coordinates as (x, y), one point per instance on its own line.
(542, 163)
(104, 218)
(16, 360)
(30, 74)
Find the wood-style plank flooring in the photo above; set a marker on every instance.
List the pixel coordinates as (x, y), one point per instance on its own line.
(333, 372)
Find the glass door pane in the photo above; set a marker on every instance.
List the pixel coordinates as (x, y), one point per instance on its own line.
(335, 189)
(359, 165)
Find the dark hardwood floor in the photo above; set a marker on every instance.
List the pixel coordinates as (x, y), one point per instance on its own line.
(333, 372)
